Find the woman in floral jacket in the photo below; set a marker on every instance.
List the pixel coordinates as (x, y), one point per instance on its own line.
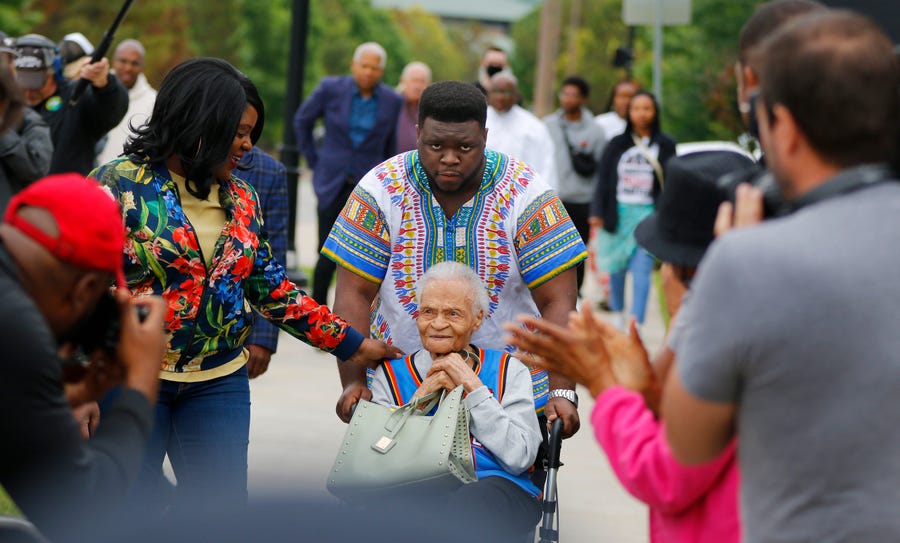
(196, 237)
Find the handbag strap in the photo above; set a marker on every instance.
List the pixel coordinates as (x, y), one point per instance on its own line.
(398, 418)
(657, 167)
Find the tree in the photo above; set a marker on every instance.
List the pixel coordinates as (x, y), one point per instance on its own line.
(215, 29)
(255, 37)
(15, 19)
(265, 33)
(698, 80)
(699, 101)
(161, 26)
(433, 43)
(596, 39)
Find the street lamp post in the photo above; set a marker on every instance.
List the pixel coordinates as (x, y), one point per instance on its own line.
(290, 154)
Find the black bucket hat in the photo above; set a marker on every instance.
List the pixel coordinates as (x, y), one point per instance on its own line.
(681, 228)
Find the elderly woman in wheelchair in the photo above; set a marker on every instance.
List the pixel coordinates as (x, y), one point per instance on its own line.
(505, 436)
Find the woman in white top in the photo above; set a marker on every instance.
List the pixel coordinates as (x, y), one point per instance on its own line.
(631, 174)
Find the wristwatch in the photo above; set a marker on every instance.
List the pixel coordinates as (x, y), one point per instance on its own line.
(565, 393)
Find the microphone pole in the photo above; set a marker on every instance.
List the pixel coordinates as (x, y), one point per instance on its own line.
(101, 50)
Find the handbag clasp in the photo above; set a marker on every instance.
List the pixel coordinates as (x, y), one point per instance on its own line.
(384, 444)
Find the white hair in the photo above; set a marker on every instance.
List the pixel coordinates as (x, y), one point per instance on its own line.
(370, 47)
(133, 45)
(413, 65)
(454, 271)
(505, 74)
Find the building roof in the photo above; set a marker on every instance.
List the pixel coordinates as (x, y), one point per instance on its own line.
(501, 11)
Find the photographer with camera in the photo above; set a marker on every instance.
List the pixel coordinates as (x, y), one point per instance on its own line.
(799, 349)
(60, 250)
(767, 200)
(74, 129)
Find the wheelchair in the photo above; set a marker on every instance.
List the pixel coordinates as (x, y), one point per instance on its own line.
(544, 476)
(547, 466)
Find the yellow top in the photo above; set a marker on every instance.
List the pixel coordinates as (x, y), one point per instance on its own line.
(208, 219)
(206, 216)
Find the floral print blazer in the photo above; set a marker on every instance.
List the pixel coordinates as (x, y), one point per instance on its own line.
(209, 317)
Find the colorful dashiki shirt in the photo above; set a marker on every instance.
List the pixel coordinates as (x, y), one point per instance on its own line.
(514, 232)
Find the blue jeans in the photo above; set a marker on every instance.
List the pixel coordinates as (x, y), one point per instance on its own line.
(640, 265)
(205, 429)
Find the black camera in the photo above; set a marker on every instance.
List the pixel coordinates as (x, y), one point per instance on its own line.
(774, 204)
(101, 330)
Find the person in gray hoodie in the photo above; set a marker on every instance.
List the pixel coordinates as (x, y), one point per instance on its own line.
(573, 131)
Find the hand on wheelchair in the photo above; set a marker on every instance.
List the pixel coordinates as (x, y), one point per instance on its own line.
(564, 410)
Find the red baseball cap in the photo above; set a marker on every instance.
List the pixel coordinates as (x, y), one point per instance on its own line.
(91, 229)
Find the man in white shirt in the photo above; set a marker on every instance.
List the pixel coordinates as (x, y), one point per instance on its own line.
(516, 132)
(128, 63)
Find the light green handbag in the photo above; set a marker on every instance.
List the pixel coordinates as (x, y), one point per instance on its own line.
(387, 451)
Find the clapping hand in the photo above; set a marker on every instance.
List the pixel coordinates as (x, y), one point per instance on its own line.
(628, 357)
(589, 350)
(575, 351)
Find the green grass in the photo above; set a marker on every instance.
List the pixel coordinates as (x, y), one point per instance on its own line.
(7, 507)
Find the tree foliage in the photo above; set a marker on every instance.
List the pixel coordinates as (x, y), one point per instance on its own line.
(162, 26)
(698, 80)
(432, 43)
(699, 101)
(267, 26)
(15, 19)
(601, 31)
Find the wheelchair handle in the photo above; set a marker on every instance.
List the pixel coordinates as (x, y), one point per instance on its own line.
(555, 444)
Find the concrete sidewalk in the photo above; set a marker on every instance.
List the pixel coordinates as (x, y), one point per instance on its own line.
(294, 433)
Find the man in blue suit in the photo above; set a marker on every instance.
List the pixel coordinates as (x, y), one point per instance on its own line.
(360, 117)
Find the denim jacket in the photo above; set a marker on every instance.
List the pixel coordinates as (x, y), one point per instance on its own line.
(208, 318)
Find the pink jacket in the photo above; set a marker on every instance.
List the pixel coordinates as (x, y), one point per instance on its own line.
(696, 504)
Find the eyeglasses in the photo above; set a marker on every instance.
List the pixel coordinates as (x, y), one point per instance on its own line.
(504, 92)
(753, 126)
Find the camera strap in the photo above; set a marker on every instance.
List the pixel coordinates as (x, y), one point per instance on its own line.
(565, 130)
(849, 180)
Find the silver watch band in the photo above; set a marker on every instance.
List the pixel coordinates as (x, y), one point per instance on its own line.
(565, 393)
